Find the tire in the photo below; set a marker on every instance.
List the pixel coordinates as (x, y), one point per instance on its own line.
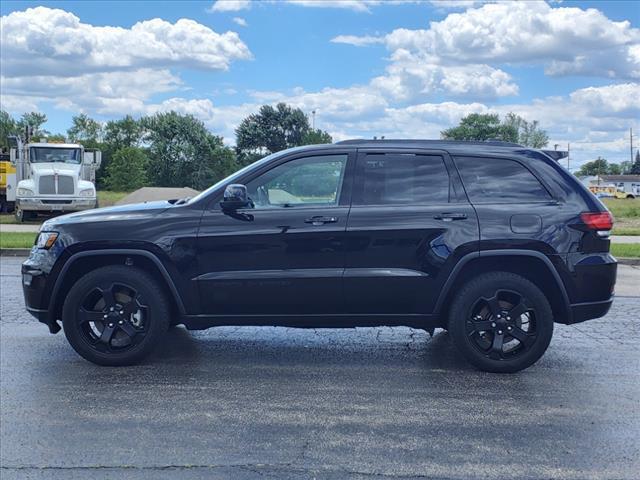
(501, 322)
(115, 315)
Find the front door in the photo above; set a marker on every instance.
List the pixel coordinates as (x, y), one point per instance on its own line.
(409, 221)
(285, 253)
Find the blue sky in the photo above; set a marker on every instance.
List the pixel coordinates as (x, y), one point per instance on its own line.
(368, 67)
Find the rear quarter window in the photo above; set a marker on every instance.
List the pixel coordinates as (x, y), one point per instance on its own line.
(499, 180)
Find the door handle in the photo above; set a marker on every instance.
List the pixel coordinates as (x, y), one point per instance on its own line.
(320, 220)
(448, 217)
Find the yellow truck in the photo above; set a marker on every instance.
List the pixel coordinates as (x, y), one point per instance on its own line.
(609, 191)
(7, 184)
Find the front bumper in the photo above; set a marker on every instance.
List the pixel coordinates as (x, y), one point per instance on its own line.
(36, 285)
(53, 204)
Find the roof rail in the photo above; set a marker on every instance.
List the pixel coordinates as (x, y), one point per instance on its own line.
(500, 143)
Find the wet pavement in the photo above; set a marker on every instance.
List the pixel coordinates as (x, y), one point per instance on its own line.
(284, 403)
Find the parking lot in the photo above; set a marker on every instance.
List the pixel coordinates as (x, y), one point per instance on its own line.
(289, 403)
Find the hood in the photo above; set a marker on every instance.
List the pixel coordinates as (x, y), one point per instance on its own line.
(118, 212)
(55, 168)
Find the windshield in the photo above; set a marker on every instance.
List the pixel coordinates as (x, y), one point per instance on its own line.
(54, 155)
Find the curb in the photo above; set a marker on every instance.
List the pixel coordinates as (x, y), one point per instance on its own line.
(24, 252)
(14, 252)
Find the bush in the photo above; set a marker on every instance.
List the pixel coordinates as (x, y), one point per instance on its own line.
(127, 170)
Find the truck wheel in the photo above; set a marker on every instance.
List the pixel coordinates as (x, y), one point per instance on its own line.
(115, 315)
(501, 322)
(21, 215)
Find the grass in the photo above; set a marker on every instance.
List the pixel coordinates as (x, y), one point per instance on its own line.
(107, 198)
(17, 239)
(626, 250)
(626, 213)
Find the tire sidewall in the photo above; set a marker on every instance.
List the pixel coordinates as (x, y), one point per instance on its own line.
(146, 286)
(486, 286)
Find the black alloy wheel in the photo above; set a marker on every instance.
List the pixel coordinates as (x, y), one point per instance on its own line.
(115, 315)
(501, 322)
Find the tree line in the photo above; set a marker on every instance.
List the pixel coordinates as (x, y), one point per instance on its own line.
(169, 149)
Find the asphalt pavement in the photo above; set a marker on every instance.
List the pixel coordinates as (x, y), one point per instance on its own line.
(283, 403)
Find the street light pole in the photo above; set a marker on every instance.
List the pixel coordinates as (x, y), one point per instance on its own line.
(313, 119)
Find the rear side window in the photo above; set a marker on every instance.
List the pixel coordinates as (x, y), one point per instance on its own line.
(499, 180)
(401, 179)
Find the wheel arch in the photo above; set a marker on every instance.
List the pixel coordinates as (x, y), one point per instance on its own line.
(82, 262)
(532, 265)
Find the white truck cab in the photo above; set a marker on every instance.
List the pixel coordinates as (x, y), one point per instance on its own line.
(54, 177)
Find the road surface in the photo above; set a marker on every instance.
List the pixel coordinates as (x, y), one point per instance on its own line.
(280, 403)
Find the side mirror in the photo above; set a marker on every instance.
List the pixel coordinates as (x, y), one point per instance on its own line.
(235, 197)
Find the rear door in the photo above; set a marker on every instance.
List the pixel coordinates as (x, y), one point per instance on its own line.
(409, 223)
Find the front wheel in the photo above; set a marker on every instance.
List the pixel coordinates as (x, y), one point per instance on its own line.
(115, 315)
(501, 322)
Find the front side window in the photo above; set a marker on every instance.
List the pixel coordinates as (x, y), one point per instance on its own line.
(499, 180)
(308, 181)
(402, 179)
(54, 155)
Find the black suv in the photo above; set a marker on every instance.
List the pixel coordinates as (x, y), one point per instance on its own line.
(492, 241)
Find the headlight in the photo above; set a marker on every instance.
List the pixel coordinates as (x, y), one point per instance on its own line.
(25, 192)
(46, 240)
(88, 192)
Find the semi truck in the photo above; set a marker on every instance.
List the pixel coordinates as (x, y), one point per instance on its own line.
(53, 177)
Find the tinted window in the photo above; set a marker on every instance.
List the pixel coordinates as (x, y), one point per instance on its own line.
(395, 179)
(301, 182)
(497, 180)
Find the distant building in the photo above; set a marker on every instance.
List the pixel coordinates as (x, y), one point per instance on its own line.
(625, 183)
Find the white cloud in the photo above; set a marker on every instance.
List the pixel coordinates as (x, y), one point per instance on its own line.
(355, 5)
(240, 21)
(45, 41)
(568, 40)
(357, 41)
(230, 5)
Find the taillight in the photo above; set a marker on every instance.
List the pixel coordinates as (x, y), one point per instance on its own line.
(597, 220)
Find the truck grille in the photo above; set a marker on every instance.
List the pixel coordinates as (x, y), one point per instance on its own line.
(65, 185)
(47, 185)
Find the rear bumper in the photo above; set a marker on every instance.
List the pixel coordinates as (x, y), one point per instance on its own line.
(581, 312)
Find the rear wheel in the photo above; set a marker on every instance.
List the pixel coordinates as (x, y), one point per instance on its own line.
(115, 315)
(501, 322)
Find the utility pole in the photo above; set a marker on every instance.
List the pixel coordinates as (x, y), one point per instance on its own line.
(313, 119)
(568, 156)
(631, 143)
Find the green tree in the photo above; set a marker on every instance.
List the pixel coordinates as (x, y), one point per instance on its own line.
(487, 126)
(316, 137)
(126, 132)
(85, 130)
(127, 170)
(635, 168)
(480, 126)
(614, 169)
(35, 120)
(598, 166)
(183, 153)
(8, 126)
(524, 132)
(273, 129)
